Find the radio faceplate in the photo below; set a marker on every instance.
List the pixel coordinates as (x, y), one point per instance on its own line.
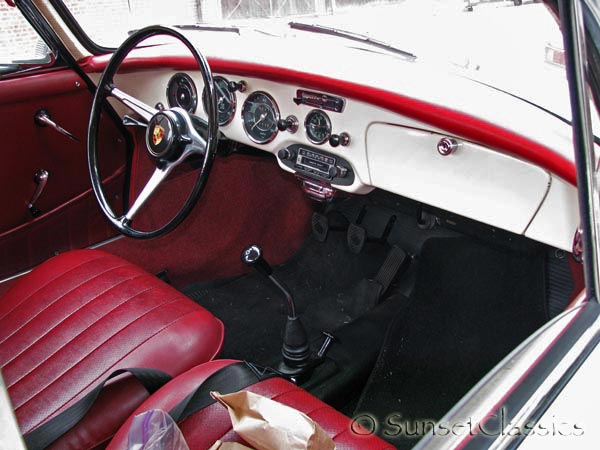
(317, 164)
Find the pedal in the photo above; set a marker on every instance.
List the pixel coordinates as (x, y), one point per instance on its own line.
(320, 226)
(356, 238)
(395, 263)
(357, 235)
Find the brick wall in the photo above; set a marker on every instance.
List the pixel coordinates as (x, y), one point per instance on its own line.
(17, 39)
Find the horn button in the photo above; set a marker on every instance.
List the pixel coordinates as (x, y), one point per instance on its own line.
(164, 138)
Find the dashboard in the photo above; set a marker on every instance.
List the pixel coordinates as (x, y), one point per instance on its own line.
(332, 142)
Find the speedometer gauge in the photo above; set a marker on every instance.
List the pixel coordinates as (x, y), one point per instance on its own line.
(318, 126)
(226, 101)
(260, 114)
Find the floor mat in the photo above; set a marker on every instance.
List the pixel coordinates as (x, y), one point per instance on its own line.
(471, 306)
(324, 279)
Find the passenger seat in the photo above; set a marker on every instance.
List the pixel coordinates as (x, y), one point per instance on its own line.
(206, 426)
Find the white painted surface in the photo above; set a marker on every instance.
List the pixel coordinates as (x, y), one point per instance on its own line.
(475, 182)
(558, 218)
(571, 422)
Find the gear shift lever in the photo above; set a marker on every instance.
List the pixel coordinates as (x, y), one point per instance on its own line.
(295, 349)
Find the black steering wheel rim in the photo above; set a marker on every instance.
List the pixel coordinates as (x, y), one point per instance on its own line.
(100, 97)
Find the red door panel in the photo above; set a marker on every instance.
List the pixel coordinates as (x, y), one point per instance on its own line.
(70, 217)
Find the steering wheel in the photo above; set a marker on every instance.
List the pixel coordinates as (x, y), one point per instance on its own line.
(170, 137)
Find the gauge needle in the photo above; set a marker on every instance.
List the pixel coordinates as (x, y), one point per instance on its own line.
(262, 117)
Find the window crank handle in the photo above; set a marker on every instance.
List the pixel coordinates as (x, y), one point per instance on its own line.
(40, 179)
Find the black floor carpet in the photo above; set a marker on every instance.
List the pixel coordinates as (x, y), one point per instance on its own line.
(471, 306)
(324, 279)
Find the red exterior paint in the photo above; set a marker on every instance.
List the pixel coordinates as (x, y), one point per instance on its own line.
(450, 120)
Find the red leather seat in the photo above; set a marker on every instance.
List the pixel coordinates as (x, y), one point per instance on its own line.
(81, 315)
(202, 429)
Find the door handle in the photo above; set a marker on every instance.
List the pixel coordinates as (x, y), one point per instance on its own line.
(42, 119)
(40, 179)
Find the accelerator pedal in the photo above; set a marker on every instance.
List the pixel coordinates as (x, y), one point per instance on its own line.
(370, 291)
(395, 260)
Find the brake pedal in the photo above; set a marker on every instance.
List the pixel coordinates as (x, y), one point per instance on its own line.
(357, 235)
(356, 238)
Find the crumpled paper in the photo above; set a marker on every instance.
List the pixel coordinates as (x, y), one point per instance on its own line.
(269, 425)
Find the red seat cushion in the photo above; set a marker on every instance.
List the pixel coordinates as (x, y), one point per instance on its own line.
(81, 315)
(202, 429)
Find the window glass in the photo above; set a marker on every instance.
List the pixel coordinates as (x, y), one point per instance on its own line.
(514, 46)
(20, 45)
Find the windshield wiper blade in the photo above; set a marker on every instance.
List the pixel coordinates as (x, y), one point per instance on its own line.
(202, 27)
(352, 36)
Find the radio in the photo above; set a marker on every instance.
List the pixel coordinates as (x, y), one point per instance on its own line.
(317, 164)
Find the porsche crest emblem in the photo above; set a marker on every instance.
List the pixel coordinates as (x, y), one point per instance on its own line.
(158, 134)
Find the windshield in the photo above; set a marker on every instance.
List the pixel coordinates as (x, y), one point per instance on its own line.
(510, 45)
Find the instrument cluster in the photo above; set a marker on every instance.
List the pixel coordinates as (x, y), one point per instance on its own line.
(260, 114)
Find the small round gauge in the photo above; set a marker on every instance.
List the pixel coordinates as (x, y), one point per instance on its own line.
(318, 127)
(260, 114)
(226, 102)
(181, 91)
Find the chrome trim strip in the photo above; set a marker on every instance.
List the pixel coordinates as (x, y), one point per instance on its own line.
(106, 242)
(583, 144)
(91, 247)
(16, 275)
(548, 385)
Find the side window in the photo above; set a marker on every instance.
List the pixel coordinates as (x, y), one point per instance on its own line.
(21, 47)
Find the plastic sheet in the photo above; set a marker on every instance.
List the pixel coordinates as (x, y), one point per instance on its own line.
(155, 430)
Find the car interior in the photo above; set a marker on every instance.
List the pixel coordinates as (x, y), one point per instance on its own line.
(368, 252)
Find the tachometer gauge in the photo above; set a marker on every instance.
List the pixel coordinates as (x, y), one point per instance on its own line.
(260, 114)
(226, 101)
(181, 91)
(318, 127)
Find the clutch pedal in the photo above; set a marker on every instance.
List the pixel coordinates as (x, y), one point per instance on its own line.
(320, 226)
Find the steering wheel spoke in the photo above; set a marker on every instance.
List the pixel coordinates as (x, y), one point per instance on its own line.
(197, 142)
(145, 111)
(159, 174)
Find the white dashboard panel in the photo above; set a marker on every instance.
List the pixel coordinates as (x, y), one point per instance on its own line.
(398, 154)
(150, 87)
(474, 181)
(558, 218)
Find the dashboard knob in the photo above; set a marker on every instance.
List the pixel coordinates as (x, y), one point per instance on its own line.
(290, 123)
(342, 139)
(237, 86)
(286, 154)
(447, 146)
(337, 172)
